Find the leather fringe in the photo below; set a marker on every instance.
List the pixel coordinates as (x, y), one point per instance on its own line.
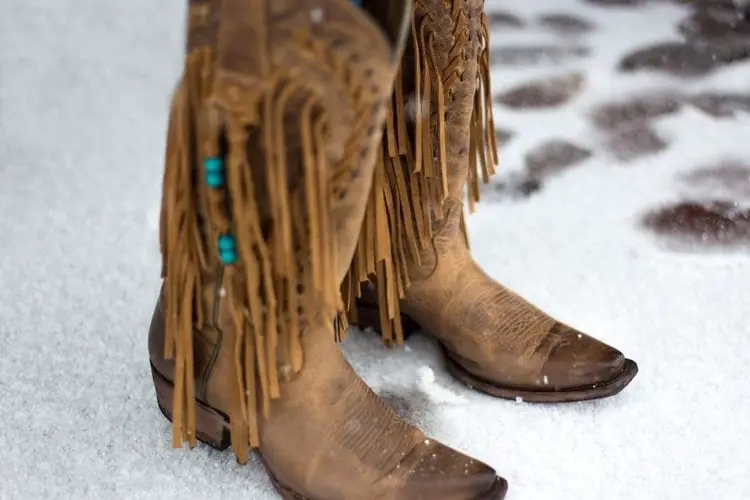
(184, 254)
(411, 184)
(483, 144)
(283, 270)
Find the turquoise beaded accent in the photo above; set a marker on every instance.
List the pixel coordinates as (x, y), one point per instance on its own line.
(214, 168)
(227, 249)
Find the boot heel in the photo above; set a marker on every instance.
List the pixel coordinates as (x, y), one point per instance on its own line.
(368, 316)
(211, 426)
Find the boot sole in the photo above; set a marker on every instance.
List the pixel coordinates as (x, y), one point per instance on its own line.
(212, 429)
(588, 393)
(369, 317)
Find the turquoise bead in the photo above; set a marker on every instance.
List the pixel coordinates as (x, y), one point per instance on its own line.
(213, 164)
(227, 243)
(227, 249)
(214, 179)
(214, 168)
(228, 256)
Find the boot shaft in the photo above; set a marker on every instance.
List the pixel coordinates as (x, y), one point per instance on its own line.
(451, 38)
(439, 134)
(271, 144)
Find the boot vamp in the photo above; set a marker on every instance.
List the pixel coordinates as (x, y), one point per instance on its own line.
(331, 437)
(501, 338)
(579, 360)
(437, 472)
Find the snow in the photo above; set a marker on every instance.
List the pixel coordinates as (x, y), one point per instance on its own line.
(84, 89)
(435, 392)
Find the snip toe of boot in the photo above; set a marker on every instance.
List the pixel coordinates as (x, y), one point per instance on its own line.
(581, 361)
(574, 367)
(437, 472)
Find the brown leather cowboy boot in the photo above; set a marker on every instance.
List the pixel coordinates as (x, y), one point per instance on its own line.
(493, 339)
(329, 436)
(272, 141)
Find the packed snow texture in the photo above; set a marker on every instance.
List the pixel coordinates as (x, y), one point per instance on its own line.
(84, 90)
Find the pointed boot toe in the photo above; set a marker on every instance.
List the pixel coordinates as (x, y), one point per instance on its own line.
(437, 472)
(579, 360)
(580, 367)
(574, 367)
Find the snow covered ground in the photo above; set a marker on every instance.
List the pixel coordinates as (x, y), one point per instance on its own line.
(84, 88)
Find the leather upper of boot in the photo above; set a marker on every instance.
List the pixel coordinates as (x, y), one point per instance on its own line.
(293, 107)
(494, 333)
(330, 436)
(346, 442)
(271, 144)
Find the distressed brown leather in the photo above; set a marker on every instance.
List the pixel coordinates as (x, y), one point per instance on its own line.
(328, 436)
(495, 334)
(302, 34)
(488, 330)
(440, 17)
(331, 437)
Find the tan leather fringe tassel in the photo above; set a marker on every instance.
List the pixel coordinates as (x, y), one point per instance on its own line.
(410, 185)
(278, 263)
(483, 145)
(183, 249)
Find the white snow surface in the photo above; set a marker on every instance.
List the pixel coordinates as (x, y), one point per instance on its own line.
(84, 90)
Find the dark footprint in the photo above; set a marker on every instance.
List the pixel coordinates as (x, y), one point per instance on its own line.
(729, 177)
(714, 24)
(635, 142)
(721, 105)
(532, 55)
(543, 93)
(565, 24)
(503, 136)
(701, 224)
(553, 157)
(516, 186)
(680, 59)
(500, 19)
(640, 108)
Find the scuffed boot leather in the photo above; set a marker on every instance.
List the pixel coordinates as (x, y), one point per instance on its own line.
(329, 437)
(495, 341)
(321, 432)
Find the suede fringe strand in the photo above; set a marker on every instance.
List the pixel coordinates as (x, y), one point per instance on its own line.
(280, 275)
(410, 186)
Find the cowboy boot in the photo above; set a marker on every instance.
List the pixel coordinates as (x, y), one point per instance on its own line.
(494, 340)
(272, 140)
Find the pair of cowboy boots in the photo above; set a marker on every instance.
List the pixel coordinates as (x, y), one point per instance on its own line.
(317, 155)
